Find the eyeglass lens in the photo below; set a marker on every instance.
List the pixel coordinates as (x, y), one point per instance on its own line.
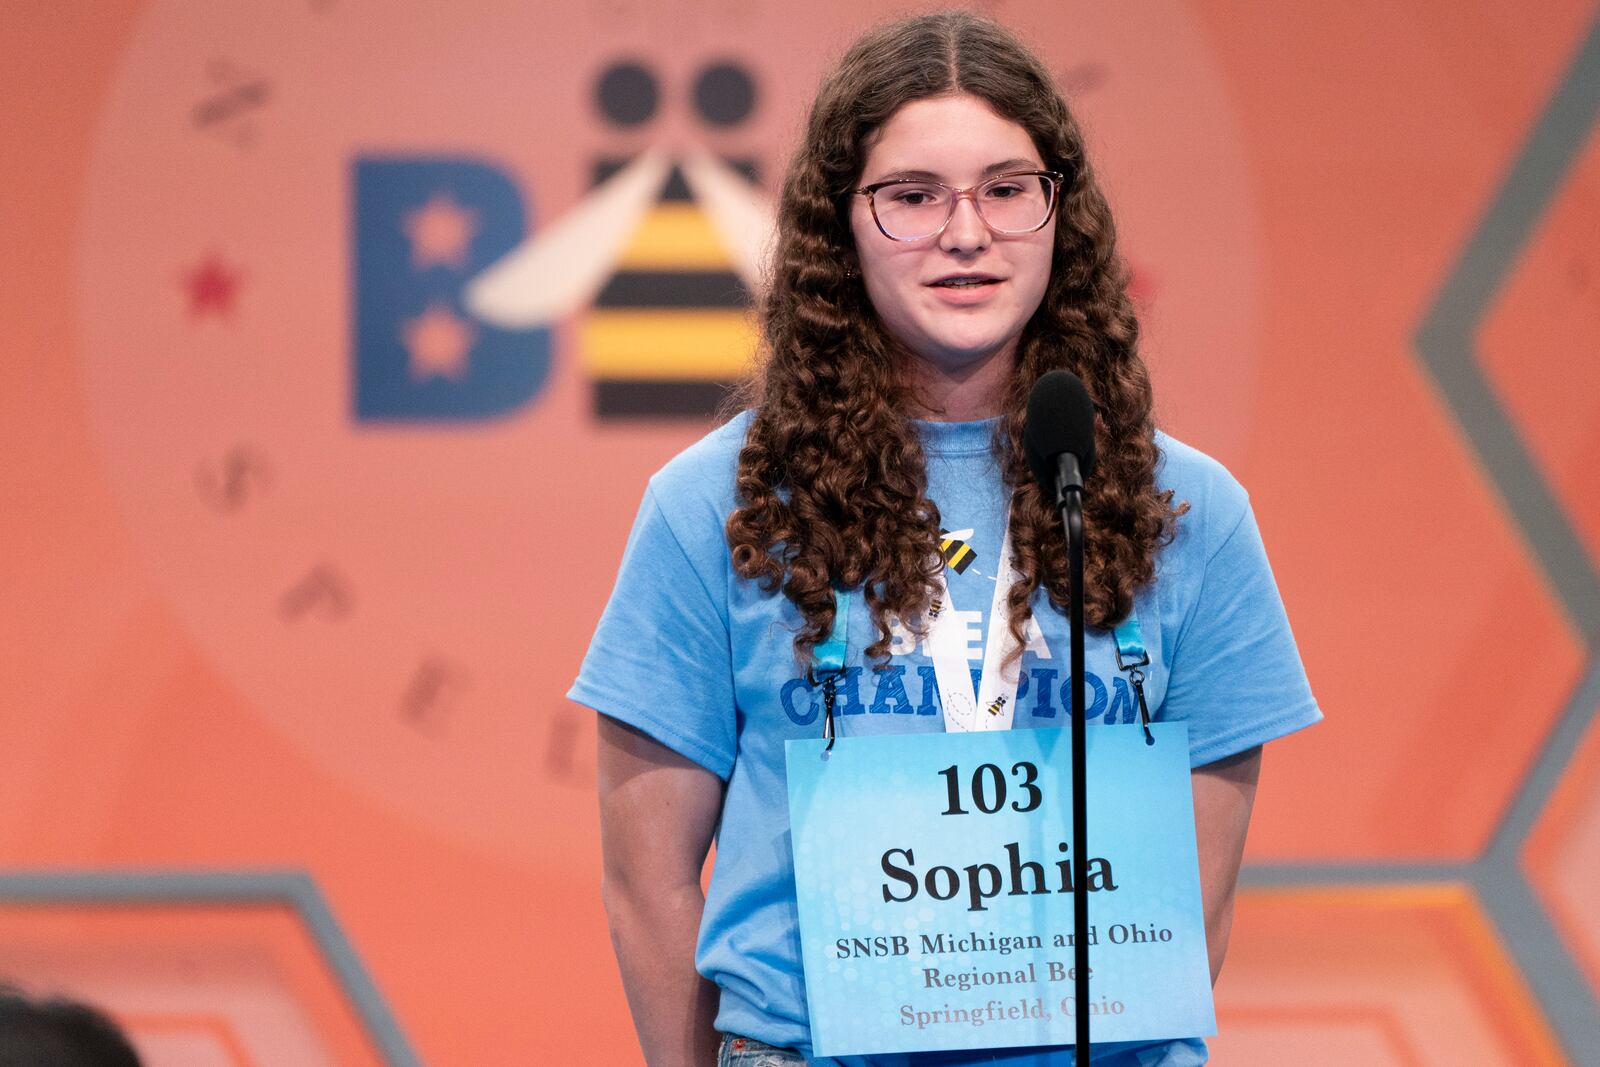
(1009, 204)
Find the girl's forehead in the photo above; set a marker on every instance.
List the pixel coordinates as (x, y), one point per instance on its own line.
(949, 136)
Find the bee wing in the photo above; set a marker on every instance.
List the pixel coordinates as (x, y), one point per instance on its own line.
(743, 216)
(959, 535)
(563, 266)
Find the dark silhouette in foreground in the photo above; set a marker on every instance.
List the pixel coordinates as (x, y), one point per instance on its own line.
(53, 1032)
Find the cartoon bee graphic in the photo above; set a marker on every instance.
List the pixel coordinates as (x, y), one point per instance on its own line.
(997, 705)
(666, 249)
(958, 555)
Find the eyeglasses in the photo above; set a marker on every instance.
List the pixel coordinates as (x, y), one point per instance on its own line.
(914, 209)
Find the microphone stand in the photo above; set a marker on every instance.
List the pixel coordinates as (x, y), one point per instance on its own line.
(1069, 498)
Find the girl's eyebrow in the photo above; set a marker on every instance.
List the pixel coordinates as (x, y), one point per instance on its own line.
(930, 176)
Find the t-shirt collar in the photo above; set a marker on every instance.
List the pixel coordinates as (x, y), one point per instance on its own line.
(954, 438)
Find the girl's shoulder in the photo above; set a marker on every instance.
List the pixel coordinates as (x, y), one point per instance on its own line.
(1217, 502)
(696, 487)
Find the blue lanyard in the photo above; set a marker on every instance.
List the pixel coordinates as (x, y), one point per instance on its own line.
(1131, 655)
(829, 658)
(829, 655)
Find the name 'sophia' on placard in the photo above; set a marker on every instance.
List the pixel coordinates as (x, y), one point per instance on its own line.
(982, 882)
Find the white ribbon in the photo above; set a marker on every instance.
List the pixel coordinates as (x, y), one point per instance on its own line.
(992, 706)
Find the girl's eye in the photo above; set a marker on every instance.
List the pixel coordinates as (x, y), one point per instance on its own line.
(1004, 192)
(915, 196)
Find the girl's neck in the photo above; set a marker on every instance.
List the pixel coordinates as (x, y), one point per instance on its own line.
(965, 394)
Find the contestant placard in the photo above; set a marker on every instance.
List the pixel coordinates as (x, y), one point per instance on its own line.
(935, 889)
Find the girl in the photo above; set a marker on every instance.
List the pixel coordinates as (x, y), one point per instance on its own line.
(942, 243)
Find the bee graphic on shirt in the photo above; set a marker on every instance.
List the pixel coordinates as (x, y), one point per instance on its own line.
(958, 555)
(935, 609)
(666, 249)
(997, 705)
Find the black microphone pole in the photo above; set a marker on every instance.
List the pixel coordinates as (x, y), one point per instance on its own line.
(1069, 495)
(1058, 442)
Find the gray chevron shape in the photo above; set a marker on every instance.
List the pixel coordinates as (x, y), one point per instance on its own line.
(1445, 340)
(294, 888)
(1445, 344)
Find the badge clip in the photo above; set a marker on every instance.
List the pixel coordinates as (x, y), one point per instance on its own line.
(828, 661)
(1131, 655)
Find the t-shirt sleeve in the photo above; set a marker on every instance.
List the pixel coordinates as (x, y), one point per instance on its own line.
(660, 660)
(1236, 676)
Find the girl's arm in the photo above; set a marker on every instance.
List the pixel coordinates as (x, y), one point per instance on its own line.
(1224, 793)
(658, 812)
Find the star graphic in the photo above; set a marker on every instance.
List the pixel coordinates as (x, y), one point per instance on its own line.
(440, 232)
(213, 286)
(438, 343)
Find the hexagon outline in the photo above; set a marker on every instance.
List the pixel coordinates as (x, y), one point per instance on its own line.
(292, 887)
(1446, 346)
(1446, 349)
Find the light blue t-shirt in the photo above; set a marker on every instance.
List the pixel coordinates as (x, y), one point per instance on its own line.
(703, 661)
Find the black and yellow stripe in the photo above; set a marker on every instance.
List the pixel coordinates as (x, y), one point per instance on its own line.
(958, 555)
(673, 329)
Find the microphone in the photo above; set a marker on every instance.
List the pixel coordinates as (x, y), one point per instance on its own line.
(1058, 441)
(1058, 437)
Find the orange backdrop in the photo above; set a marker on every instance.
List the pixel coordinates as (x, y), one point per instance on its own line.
(288, 776)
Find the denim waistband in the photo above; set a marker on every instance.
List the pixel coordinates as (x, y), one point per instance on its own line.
(735, 1051)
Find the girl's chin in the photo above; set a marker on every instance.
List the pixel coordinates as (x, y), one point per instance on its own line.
(971, 339)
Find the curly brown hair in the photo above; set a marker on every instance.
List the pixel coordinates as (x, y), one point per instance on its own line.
(831, 483)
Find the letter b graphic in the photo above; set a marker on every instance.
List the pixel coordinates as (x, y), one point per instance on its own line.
(421, 229)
